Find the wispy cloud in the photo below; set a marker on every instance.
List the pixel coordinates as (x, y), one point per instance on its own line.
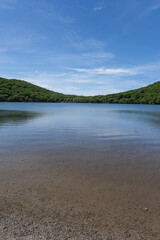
(89, 50)
(155, 6)
(73, 83)
(107, 71)
(99, 7)
(81, 44)
(2, 50)
(87, 81)
(138, 70)
(8, 4)
(49, 11)
(81, 59)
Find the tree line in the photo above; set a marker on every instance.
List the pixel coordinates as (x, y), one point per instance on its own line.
(12, 90)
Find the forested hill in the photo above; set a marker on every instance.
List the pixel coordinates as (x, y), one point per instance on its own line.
(12, 90)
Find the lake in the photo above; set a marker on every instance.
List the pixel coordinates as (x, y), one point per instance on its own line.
(30, 126)
(79, 171)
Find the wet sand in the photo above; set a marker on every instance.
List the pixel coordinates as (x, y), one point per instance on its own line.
(112, 194)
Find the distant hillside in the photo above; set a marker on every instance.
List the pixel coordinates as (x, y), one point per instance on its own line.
(12, 90)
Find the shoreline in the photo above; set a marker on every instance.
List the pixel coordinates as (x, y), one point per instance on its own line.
(80, 195)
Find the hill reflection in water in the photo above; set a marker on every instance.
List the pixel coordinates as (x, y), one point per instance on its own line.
(9, 117)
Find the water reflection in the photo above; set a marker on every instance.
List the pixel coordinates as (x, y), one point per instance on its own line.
(9, 117)
(151, 117)
(70, 126)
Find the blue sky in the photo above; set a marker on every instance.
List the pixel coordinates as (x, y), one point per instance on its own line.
(84, 47)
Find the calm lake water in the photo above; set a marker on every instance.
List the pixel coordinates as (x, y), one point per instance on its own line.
(63, 126)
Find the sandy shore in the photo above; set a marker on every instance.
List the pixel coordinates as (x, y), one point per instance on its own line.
(110, 195)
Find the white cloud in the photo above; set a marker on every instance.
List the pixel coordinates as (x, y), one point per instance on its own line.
(99, 7)
(93, 81)
(107, 71)
(155, 7)
(83, 81)
(138, 70)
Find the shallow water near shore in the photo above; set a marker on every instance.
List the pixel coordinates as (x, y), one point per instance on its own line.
(79, 171)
